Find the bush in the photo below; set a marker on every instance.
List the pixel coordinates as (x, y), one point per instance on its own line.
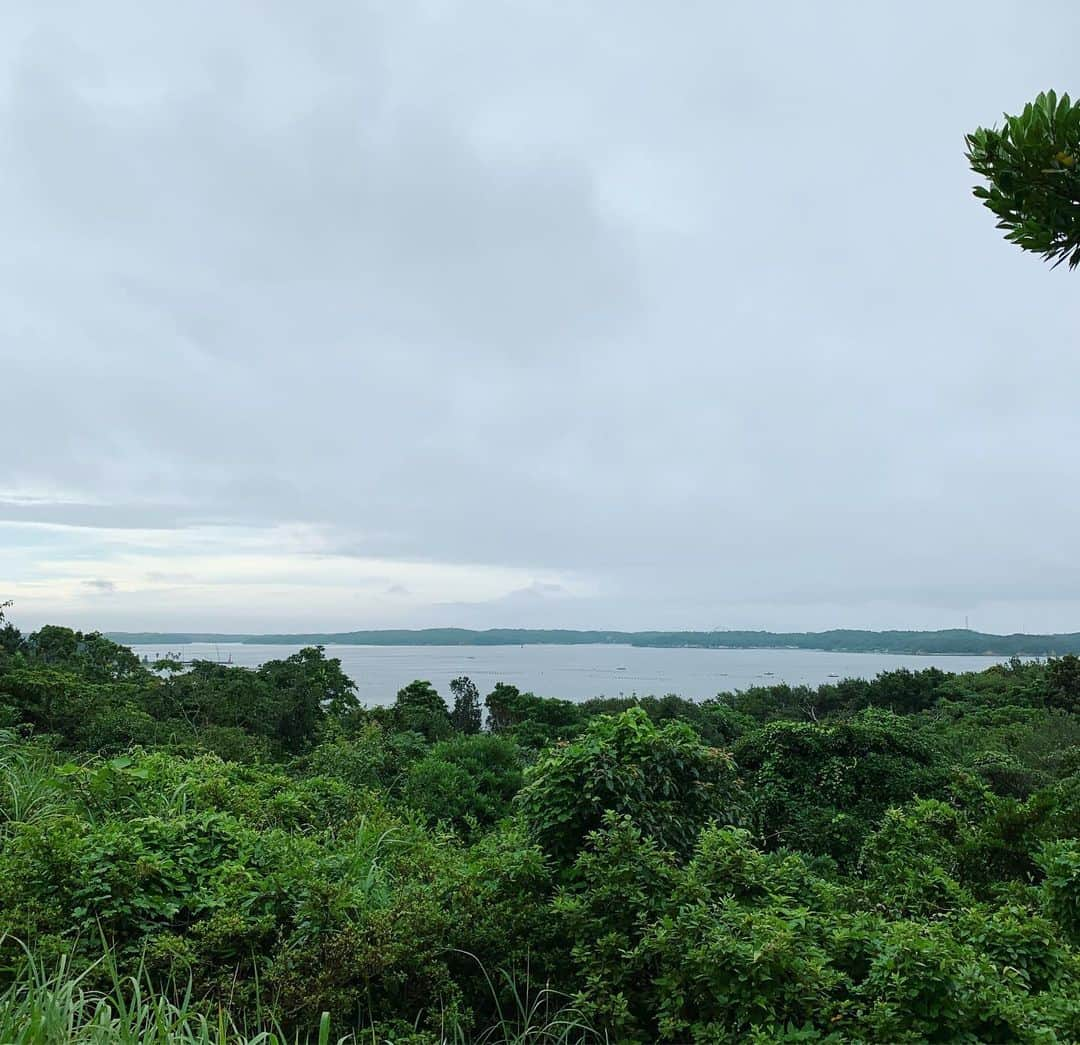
(1060, 863)
(822, 787)
(369, 758)
(664, 779)
(467, 782)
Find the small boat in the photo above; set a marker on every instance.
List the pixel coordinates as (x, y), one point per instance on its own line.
(620, 669)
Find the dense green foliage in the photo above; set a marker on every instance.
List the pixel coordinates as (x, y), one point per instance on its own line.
(665, 781)
(467, 715)
(951, 641)
(218, 850)
(1033, 188)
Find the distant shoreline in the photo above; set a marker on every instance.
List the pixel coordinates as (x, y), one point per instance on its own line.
(958, 642)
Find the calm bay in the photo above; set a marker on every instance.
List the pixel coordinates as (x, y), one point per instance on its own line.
(580, 672)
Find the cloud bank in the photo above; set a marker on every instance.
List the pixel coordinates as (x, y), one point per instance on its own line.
(501, 314)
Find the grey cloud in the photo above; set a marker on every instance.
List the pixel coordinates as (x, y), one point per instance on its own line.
(693, 305)
(100, 586)
(538, 604)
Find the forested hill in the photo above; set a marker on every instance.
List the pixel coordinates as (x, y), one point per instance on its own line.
(957, 640)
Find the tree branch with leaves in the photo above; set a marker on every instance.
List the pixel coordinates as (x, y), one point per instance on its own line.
(1033, 177)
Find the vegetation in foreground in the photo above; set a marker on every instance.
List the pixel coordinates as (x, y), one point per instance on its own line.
(222, 854)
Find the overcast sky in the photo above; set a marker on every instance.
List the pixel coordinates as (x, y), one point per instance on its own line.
(627, 315)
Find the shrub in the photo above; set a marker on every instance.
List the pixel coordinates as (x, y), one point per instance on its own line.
(1060, 863)
(822, 787)
(371, 757)
(467, 782)
(664, 779)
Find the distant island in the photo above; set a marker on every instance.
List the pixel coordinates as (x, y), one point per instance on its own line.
(959, 641)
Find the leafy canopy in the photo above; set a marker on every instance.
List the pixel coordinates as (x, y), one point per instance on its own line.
(1034, 182)
(420, 708)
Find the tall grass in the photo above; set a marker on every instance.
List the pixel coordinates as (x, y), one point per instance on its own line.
(29, 790)
(531, 1017)
(57, 1006)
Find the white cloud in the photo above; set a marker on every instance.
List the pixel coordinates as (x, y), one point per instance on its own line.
(265, 577)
